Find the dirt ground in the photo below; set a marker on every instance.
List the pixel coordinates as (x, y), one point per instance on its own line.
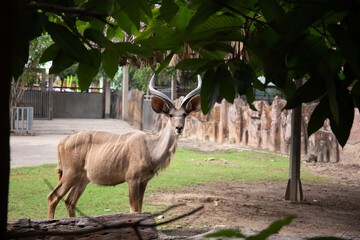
(331, 208)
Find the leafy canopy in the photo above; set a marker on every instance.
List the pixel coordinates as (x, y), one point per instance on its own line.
(232, 42)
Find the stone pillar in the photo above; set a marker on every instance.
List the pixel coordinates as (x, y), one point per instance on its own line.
(125, 92)
(51, 84)
(173, 88)
(107, 92)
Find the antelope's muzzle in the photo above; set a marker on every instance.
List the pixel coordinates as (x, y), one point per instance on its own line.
(178, 130)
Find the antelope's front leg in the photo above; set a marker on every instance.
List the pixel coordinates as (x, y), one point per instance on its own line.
(136, 195)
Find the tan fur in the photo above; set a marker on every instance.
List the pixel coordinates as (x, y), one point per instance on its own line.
(109, 159)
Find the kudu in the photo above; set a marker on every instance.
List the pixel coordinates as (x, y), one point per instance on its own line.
(109, 159)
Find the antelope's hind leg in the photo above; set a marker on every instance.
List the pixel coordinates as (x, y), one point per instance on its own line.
(58, 193)
(74, 195)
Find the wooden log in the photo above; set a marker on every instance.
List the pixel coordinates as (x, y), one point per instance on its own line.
(111, 226)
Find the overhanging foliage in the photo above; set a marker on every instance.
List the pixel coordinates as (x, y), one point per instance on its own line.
(282, 40)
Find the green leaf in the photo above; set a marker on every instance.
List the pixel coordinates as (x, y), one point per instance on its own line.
(99, 38)
(209, 91)
(61, 62)
(219, 46)
(228, 233)
(205, 10)
(133, 12)
(105, 6)
(272, 229)
(97, 24)
(250, 98)
(311, 90)
(87, 72)
(348, 46)
(332, 95)
(114, 32)
(298, 23)
(335, 60)
(244, 76)
(168, 9)
(258, 84)
(342, 127)
(49, 54)
(122, 49)
(227, 89)
(131, 48)
(69, 43)
(183, 18)
(197, 63)
(212, 54)
(144, 6)
(110, 63)
(165, 63)
(318, 116)
(273, 13)
(123, 21)
(149, 30)
(215, 24)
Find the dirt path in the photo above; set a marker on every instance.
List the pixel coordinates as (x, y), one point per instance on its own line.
(327, 210)
(332, 208)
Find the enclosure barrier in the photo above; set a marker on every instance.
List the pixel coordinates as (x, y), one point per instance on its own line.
(21, 119)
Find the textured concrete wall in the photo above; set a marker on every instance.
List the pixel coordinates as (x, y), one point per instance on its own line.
(77, 105)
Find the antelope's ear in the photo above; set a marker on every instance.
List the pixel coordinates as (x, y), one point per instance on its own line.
(194, 105)
(159, 105)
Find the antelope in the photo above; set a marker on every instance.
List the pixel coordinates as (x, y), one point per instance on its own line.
(110, 159)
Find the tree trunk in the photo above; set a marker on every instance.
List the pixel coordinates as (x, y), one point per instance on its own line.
(125, 92)
(8, 17)
(113, 226)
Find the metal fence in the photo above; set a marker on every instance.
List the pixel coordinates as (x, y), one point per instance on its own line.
(21, 119)
(267, 96)
(41, 101)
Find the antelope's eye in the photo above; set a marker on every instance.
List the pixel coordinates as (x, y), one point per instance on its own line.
(184, 115)
(170, 115)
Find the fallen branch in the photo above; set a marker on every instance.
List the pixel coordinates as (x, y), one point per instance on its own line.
(124, 225)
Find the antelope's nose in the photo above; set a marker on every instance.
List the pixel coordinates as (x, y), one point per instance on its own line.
(179, 129)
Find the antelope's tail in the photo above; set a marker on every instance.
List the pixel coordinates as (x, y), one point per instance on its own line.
(59, 167)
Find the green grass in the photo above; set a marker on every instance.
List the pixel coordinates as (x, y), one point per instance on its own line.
(28, 190)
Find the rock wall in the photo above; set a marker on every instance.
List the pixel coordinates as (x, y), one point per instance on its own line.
(268, 128)
(351, 152)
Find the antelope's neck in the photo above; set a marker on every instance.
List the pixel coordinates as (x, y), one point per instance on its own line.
(163, 146)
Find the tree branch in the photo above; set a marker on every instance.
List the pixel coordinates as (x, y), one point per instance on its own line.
(240, 13)
(61, 9)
